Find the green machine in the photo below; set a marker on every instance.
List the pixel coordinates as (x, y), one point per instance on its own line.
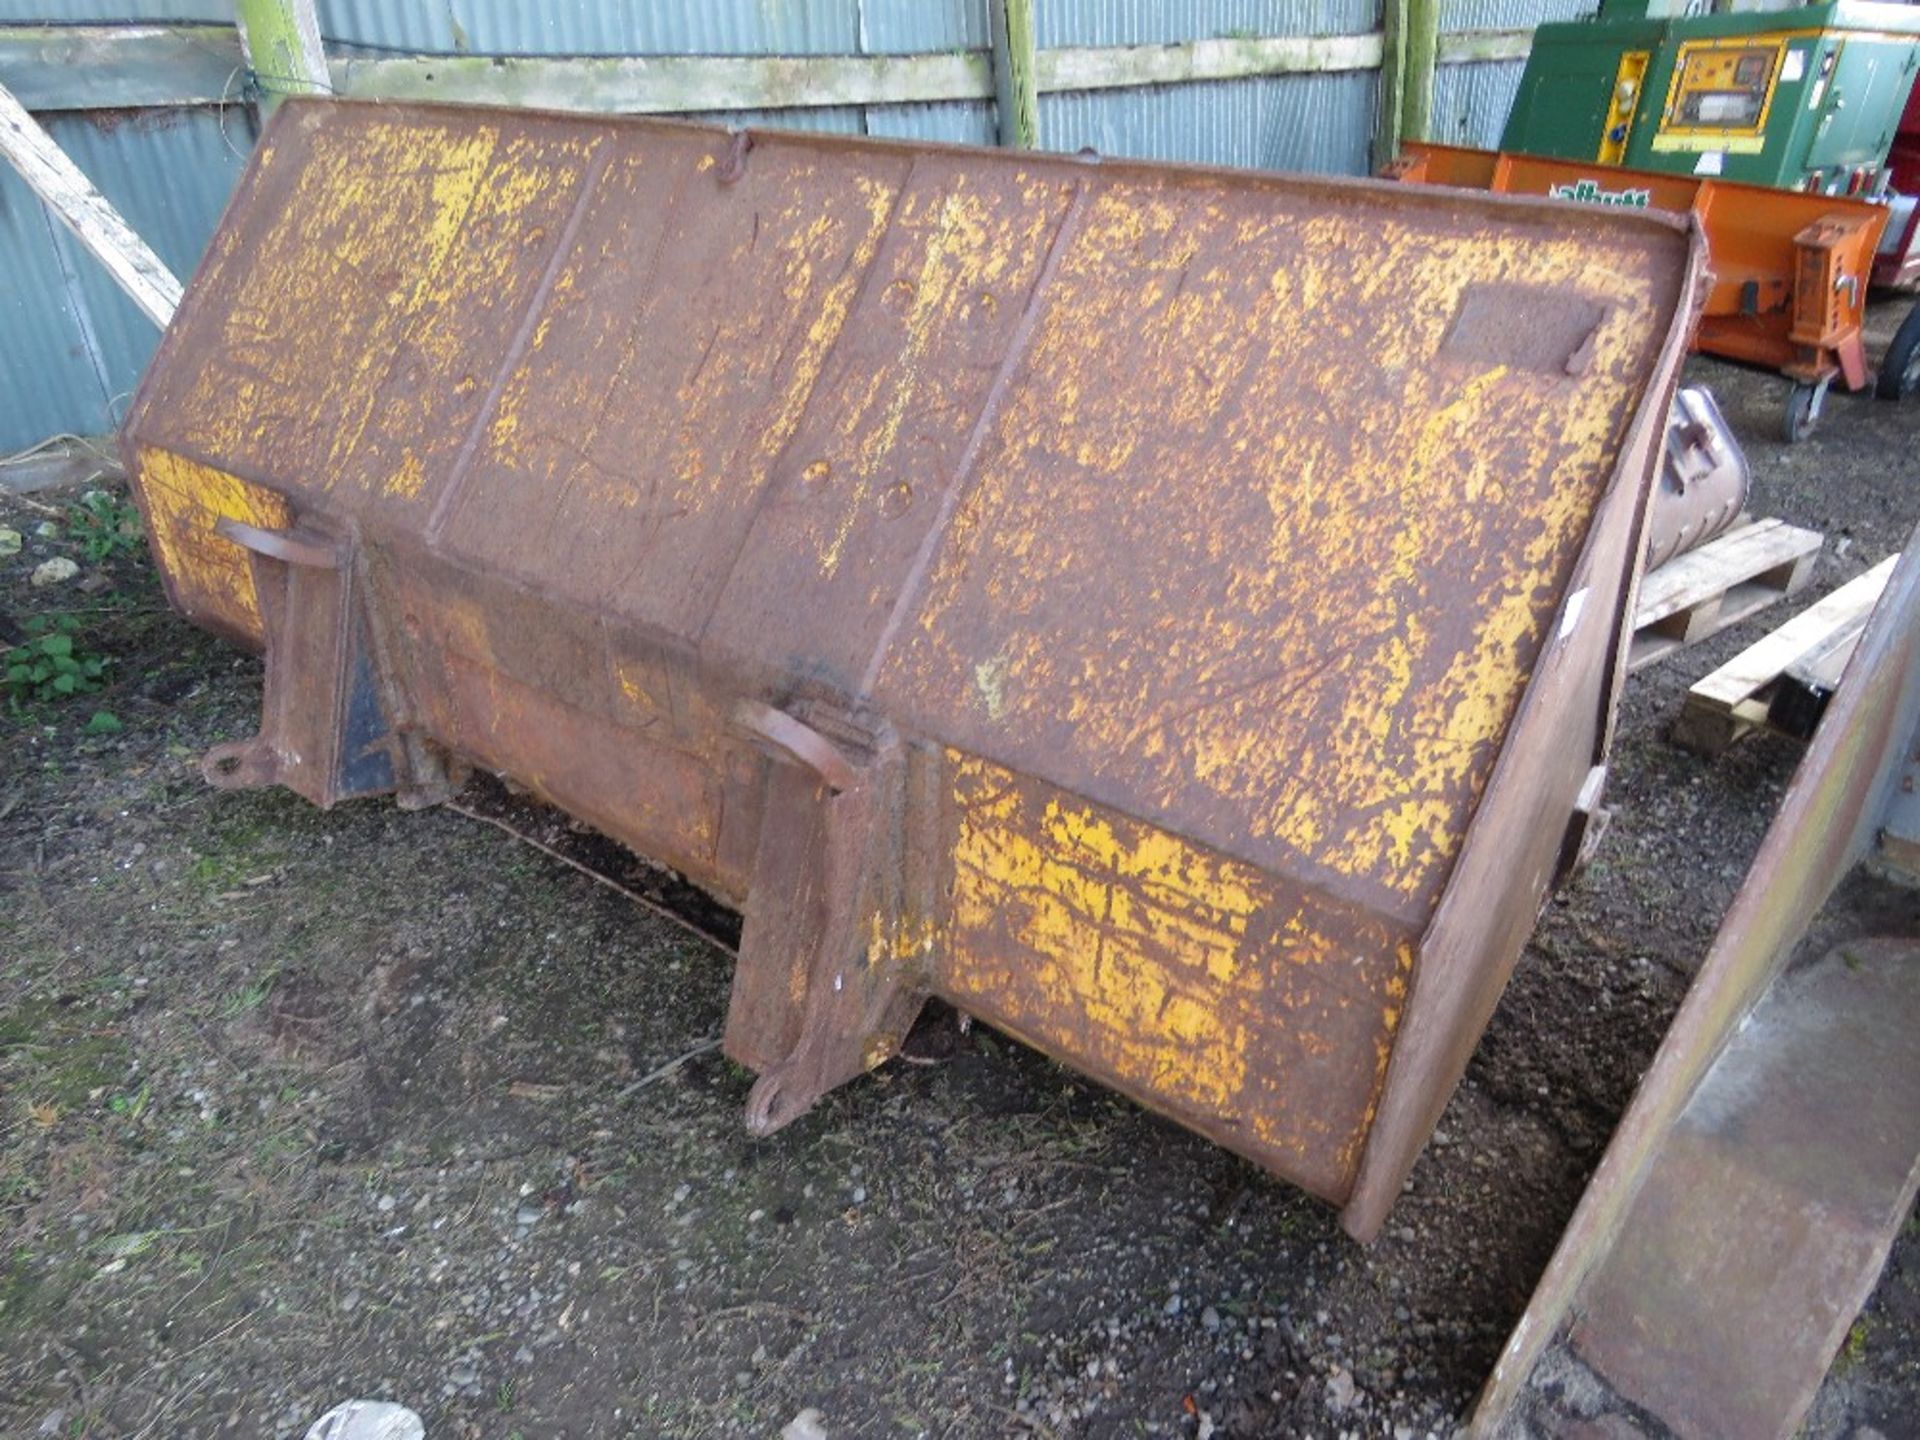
(1806, 98)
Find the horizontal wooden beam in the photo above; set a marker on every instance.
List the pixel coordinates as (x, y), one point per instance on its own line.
(94, 67)
(643, 85)
(1467, 47)
(120, 67)
(1115, 67)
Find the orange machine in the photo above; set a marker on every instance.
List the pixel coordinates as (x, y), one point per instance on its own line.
(1789, 269)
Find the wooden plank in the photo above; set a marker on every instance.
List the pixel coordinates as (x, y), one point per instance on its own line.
(654, 85)
(1731, 577)
(1731, 701)
(693, 83)
(1801, 694)
(1762, 662)
(1467, 47)
(86, 212)
(281, 39)
(109, 67)
(1822, 666)
(114, 67)
(63, 462)
(1016, 92)
(1229, 58)
(1686, 580)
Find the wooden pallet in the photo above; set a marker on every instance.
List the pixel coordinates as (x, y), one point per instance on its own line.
(1800, 698)
(1734, 699)
(1723, 582)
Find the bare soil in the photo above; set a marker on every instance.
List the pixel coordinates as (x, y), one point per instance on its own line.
(300, 1106)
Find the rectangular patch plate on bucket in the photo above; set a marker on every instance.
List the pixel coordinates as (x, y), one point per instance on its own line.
(1130, 602)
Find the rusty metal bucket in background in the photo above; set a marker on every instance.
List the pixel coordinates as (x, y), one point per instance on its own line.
(1172, 614)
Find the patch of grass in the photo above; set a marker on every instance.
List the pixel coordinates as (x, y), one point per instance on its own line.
(54, 1056)
(133, 1106)
(35, 1285)
(244, 845)
(249, 997)
(1855, 1349)
(18, 1285)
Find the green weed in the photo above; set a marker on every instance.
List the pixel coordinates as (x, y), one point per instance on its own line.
(50, 664)
(104, 525)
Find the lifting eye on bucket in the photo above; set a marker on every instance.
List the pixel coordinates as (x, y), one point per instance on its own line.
(801, 744)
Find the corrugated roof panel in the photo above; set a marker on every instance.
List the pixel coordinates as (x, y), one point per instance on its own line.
(81, 344)
(1510, 14)
(1320, 123)
(958, 122)
(826, 119)
(101, 12)
(599, 27)
(1470, 102)
(50, 378)
(769, 27)
(913, 26)
(1161, 22)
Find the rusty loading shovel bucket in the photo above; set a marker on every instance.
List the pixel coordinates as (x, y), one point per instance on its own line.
(1174, 615)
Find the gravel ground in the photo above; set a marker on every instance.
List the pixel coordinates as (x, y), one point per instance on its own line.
(300, 1106)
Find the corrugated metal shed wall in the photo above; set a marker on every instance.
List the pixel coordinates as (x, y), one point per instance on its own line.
(1163, 22)
(74, 346)
(108, 12)
(1510, 14)
(596, 27)
(659, 27)
(1470, 102)
(1278, 122)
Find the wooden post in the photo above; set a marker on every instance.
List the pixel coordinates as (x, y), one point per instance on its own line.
(1423, 48)
(54, 177)
(1393, 83)
(1015, 77)
(281, 42)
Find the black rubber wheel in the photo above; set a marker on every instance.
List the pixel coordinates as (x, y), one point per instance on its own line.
(1802, 413)
(1900, 371)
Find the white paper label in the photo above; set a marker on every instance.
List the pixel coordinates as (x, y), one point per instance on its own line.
(1710, 162)
(1794, 66)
